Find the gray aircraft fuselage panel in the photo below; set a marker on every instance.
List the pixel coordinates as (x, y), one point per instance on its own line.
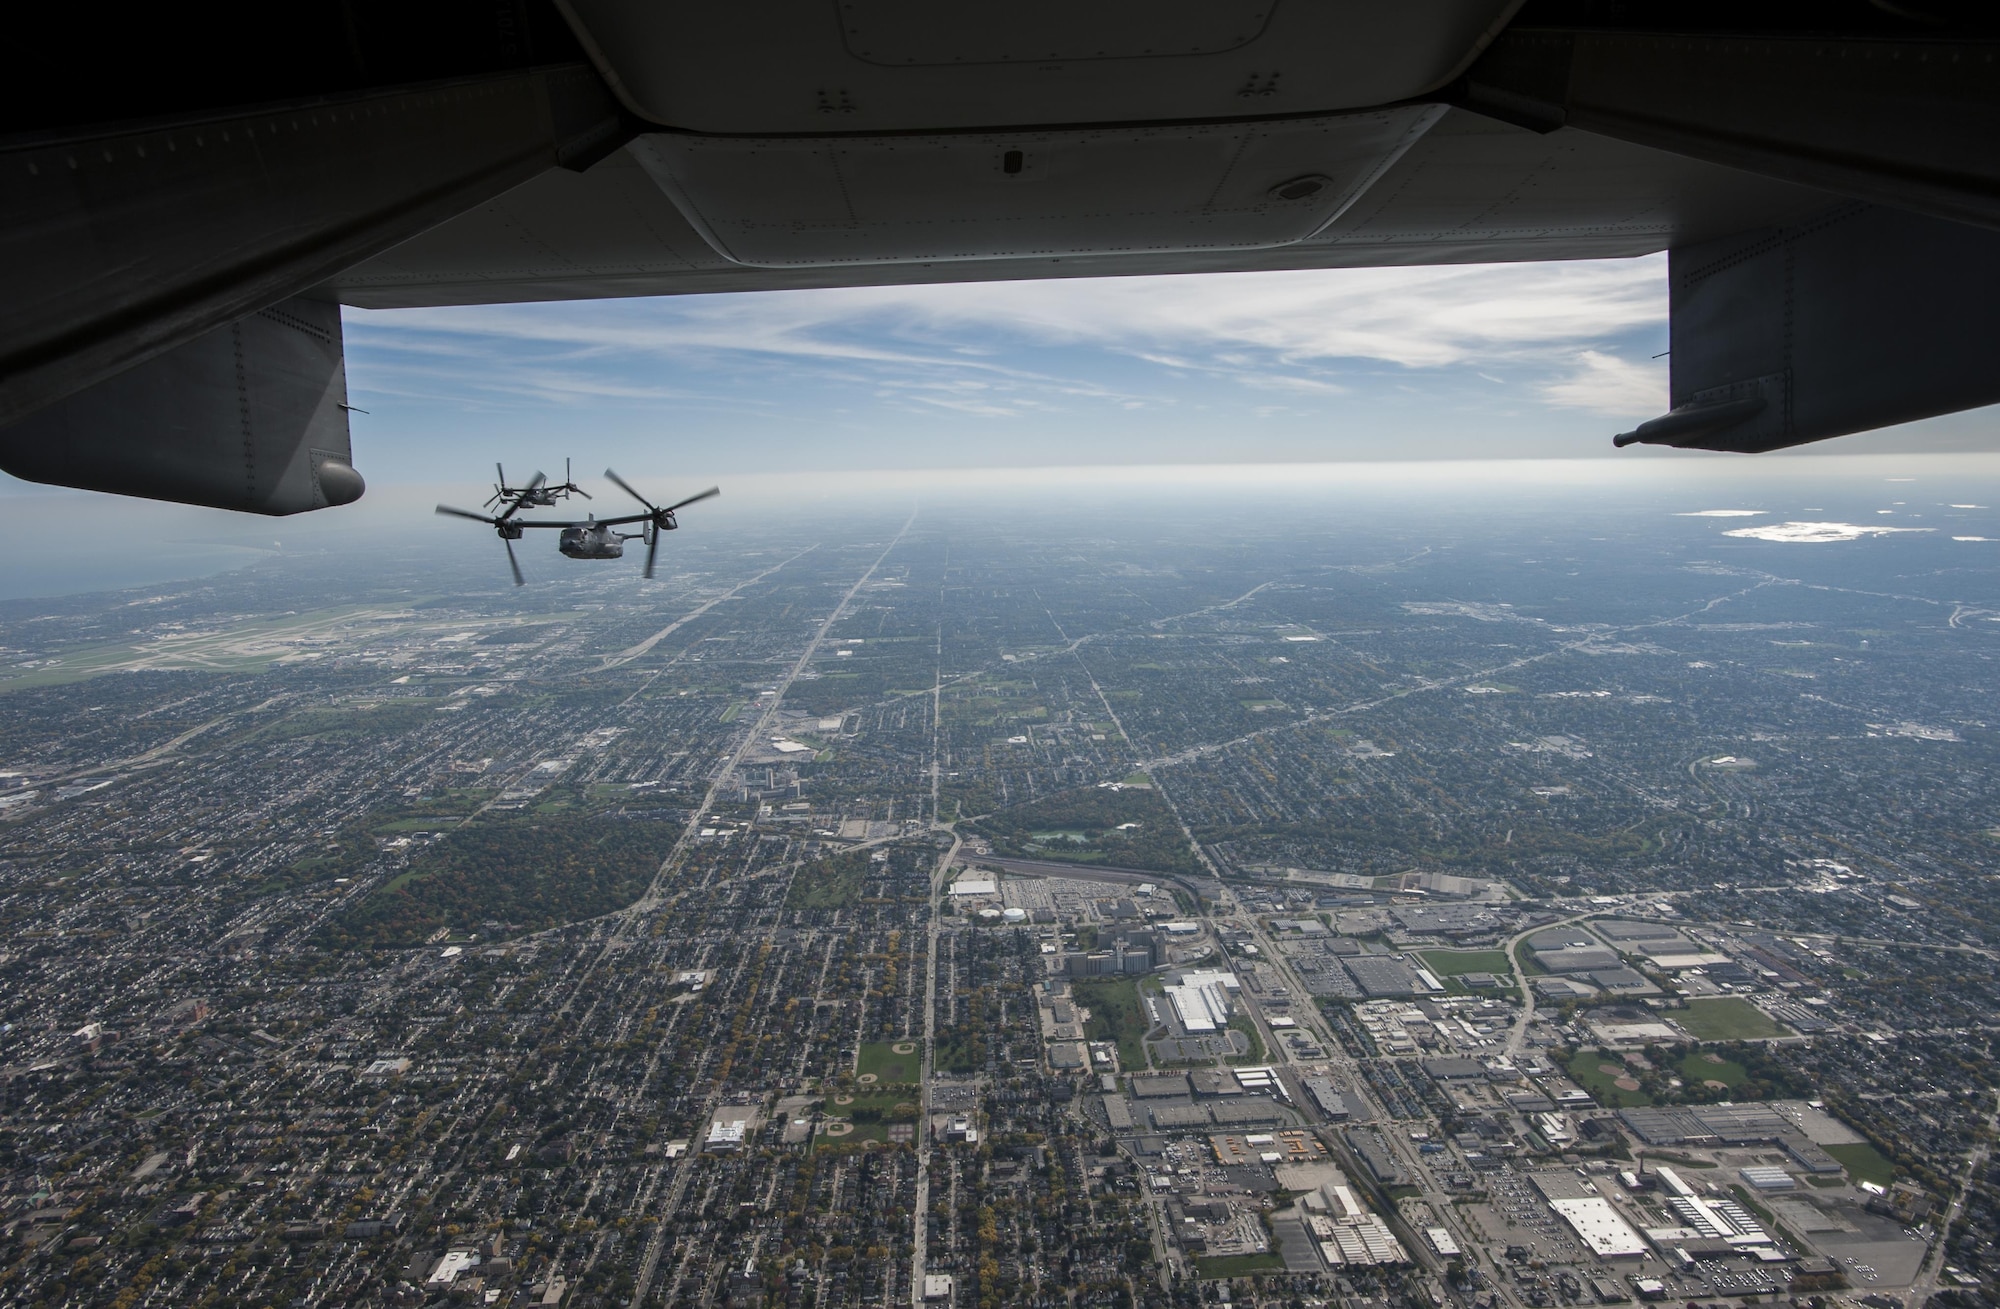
(800, 68)
(1471, 189)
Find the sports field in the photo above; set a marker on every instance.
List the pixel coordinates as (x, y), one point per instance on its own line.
(1864, 1163)
(887, 1063)
(1731, 1018)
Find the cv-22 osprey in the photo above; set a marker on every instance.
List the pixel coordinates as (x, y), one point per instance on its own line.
(591, 538)
(539, 493)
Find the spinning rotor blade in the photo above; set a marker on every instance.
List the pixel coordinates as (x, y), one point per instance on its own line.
(534, 485)
(652, 550)
(505, 540)
(711, 491)
(626, 487)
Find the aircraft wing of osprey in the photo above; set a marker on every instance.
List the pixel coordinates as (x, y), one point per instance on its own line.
(189, 197)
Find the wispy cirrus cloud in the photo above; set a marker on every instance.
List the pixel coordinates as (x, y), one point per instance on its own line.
(1374, 362)
(1416, 317)
(1251, 324)
(1607, 384)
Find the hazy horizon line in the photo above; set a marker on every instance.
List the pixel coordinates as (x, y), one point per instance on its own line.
(1661, 464)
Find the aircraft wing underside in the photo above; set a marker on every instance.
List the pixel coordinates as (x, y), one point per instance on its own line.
(1470, 189)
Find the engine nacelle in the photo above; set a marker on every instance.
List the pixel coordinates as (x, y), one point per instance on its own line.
(251, 417)
(1862, 318)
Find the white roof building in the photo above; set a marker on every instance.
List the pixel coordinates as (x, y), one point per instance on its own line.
(449, 1267)
(1341, 1199)
(1363, 1241)
(1191, 1007)
(1201, 1005)
(1598, 1225)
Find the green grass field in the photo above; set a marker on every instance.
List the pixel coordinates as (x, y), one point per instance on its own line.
(890, 1063)
(1864, 1163)
(833, 882)
(1588, 1068)
(1115, 1015)
(1240, 1265)
(833, 1135)
(1729, 1019)
(1452, 963)
(865, 1114)
(1699, 1067)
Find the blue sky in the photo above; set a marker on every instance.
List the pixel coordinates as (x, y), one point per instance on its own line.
(1397, 363)
(1542, 360)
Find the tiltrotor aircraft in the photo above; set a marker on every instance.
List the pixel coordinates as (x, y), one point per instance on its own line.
(593, 537)
(539, 493)
(190, 194)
